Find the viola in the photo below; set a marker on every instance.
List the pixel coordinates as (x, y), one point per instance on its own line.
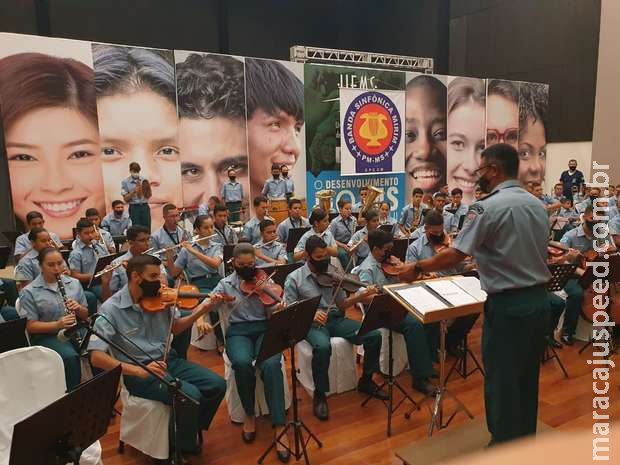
(332, 277)
(268, 292)
(186, 297)
(391, 266)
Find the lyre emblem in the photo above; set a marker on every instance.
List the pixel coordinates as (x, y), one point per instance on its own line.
(373, 128)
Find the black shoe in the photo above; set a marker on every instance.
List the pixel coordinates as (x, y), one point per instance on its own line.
(568, 339)
(368, 386)
(424, 386)
(283, 456)
(320, 406)
(248, 437)
(554, 343)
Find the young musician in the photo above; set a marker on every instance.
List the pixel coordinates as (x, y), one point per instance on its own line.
(385, 218)
(225, 234)
(232, 195)
(247, 319)
(101, 235)
(456, 206)
(170, 233)
(123, 314)
(580, 240)
(320, 227)
(28, 267)
(439, 202)
(588, 201)
(330, 321)
(22, 243)
(131, 190)
(357, 206)
(380, 245)
(361, 236)
(268, 250)
(251, 230)
(294, 220)
(558, 192)
(342, 228)
(290, 185)
(275, 188)
(433, 236)
(48, 311)
(549, 204)
(116, 222)
(208, 207)
(83, 261)
(478, 194)
(411, 217)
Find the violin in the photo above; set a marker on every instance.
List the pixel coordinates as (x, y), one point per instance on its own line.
(391, 266)
(447, 242)
(346, 281)
(268, 292)
(186, 297)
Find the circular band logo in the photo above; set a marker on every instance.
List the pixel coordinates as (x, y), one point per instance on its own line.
(372, 127)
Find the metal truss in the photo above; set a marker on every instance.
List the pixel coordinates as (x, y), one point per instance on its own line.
(303, 54)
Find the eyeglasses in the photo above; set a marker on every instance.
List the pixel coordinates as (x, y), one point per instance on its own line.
(478, 170)
(509, 136)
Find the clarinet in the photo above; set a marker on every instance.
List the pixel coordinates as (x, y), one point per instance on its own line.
(67, 334)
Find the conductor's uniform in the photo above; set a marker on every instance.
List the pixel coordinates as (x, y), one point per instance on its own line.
(506, 232)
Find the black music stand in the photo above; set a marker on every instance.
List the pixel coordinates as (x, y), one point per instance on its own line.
(119, 241)
(228, 253)
(281, 271)
(65, 428)
(399, 249)
(462, 349)
(385, 312)
(5, 252)
(294, 234)
(287, 328)
(388, 228)
(102, 262)
(560, 274)
(13, 335)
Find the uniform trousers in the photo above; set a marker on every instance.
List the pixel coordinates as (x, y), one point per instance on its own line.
(513, 333)
(199, 383)
(418, 353)
(206, 284)
(68, 354)
(339, 326)
(140, 214)
(574, 300)
(234, 209)
(243, 344)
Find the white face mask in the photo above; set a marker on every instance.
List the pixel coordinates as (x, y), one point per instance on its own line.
(135, 175)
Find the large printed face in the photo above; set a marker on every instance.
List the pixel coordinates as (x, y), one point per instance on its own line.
(425, 144)
(502, 121)
(209, 148)
(141, 127)
(54, 166)
(532, 152)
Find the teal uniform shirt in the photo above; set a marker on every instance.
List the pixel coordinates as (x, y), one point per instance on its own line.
(274, 250)
(232, 191)
(193, 266)
(83, 258)
(506, 233)
(302, 284)
(275, 188)
(23, 244)
(326, 235)
(409, 213)
(288, 224)
(362, 250)
(244, 308)
(577, 239)
(458, 214)
(41, 301)
(342, 229)
(225, 236)
(115, 225)
(163, 238)
(130, 184)
(251, 230)
(421, 249)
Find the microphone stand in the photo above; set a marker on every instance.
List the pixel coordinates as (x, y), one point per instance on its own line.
(174, 386)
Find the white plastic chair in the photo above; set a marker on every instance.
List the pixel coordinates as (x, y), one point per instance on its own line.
(233, 401)
(32, 378)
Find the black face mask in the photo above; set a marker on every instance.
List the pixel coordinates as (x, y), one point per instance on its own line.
(591, 225)
(435, 239)
(484, 184)
(150, 288)
(572, 168)
(320, 266)
(246, 273)
(275, 176)
(118, 214)
(232, 178)
(285, 175)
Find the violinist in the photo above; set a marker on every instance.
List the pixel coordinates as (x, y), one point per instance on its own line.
(247, 323)
(380, 244)
(268, 250)
(359, 240)
(319, 219)
(330, 321)
(433, 240)
(581, 243)
(122, 315)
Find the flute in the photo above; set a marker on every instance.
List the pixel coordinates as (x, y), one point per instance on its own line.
(194, 240)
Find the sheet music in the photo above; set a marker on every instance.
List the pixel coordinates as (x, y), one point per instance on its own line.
(422, 299)
(454, 294)
(472, 286)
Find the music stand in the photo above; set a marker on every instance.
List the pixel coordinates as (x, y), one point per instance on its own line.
(119, 241)
(282, 271)
(13, 335)
(294, 234)
(228, 253)
(65, 255)
(385, 312)
(66, 427)
(102, 262)
(286, 328)
(333, 215)
(399, 249)
(388, 228)
(5, 252)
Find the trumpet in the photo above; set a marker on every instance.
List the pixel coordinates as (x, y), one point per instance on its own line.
(194, 240)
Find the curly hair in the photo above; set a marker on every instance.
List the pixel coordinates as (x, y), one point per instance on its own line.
(210, 85)
(533, 104)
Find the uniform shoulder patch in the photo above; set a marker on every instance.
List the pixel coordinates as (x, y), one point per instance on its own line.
(476, 209)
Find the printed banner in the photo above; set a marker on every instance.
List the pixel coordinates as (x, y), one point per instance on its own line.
(372, 131)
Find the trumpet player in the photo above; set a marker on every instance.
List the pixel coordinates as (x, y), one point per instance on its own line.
(83, 261)
(251, 230)
(268, 251)
(131, 190)
(47, 311)
(34, 219)
(101, 235)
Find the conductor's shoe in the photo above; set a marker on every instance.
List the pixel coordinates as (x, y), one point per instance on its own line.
(424, 386)
(320, 406)
(568, 339)
(368, 386)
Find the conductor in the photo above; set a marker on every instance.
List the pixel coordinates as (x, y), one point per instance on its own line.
(506, 233)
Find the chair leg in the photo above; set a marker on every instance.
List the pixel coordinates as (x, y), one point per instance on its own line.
(121, 447)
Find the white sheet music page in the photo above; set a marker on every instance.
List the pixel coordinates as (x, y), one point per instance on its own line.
(454, 294)
(472, 286)
(420, 298)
